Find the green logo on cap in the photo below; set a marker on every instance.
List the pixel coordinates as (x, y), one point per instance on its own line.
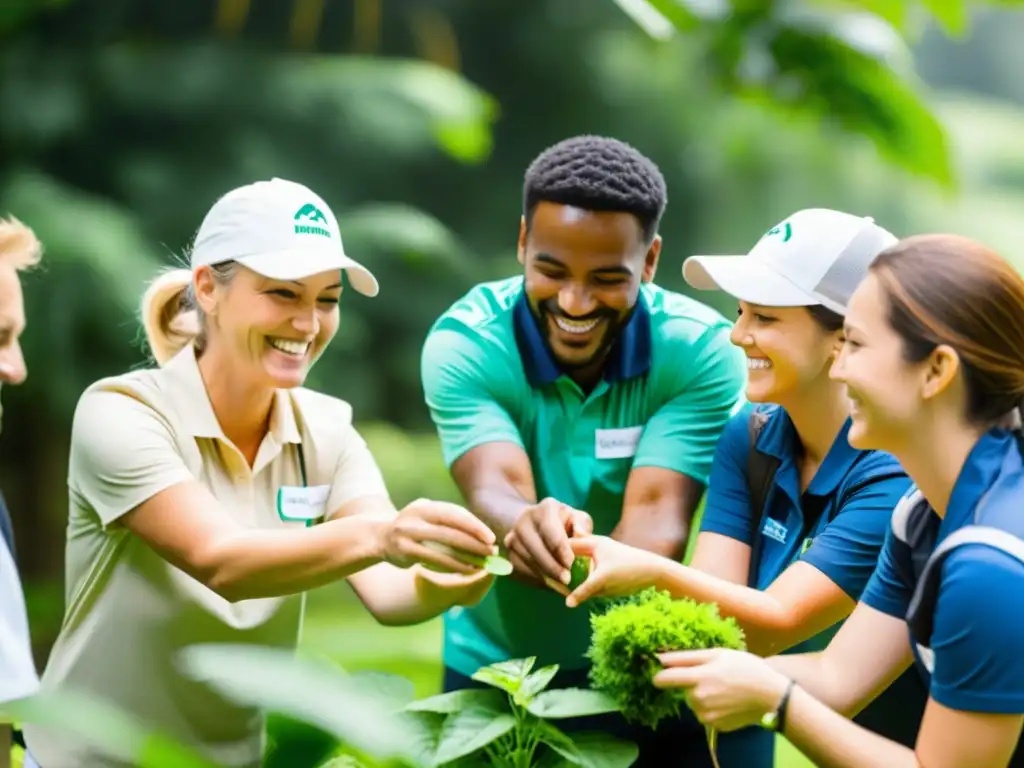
(310, 220)
(784, 229)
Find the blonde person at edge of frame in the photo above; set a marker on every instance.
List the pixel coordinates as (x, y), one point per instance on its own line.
(934, 366)
(20, 250)
(209, 494)
(788, 554)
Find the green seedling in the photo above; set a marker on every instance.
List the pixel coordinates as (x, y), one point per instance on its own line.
(579, 572)
(494, 564)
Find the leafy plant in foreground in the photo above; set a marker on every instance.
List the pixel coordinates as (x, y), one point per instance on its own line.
(628, 636)
(508, 725)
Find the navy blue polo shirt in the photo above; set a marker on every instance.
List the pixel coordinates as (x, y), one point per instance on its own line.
(850, 500)
(976, 659)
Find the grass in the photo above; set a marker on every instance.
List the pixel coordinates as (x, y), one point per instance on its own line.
(337, 625)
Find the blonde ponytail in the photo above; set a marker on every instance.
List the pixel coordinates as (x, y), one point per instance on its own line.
(169, 315)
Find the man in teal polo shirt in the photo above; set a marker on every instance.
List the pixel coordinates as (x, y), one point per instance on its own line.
(579, 396)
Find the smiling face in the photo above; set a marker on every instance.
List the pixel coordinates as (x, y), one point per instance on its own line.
(273, 330)
(788, 351)
(583, 276)
(887, 392)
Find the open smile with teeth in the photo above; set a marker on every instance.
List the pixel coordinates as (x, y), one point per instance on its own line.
(576, 326)
(758, 363)
(289, 346)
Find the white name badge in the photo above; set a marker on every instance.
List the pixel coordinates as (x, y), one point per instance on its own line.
(302, 505)
(617, 443)
(773, 529)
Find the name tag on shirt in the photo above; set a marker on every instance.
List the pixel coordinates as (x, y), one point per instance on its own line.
(617, 443)
(302, 505)
(773, 529)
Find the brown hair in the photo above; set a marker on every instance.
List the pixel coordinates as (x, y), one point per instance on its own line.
(829, 320)
(947, 289)
(171, 317)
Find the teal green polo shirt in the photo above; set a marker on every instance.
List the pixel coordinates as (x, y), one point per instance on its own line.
(671, 383)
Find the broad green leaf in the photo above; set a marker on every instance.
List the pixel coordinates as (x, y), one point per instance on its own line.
(425, 728)
(453, 701)
(518, 668)
(571, 702)
(468, 730)
(392, 688)
(306, 690)
(600, 750)
(534, 683)
(562, 744)
(120, 734)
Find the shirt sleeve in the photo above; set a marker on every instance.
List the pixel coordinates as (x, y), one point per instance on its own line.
(727, 504)
(357, 474)
(465, 393)
(682, 434)
(848, 548)
(122, 454)
(976, 639)
(889, 590)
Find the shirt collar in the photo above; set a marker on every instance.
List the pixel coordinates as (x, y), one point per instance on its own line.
(985, 463)
(779, 439)
(629, 357)
(192, 401)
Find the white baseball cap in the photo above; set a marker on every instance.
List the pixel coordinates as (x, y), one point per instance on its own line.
(816, 256)
(280, 229)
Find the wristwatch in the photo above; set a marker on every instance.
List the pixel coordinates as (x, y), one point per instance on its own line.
(776, 721)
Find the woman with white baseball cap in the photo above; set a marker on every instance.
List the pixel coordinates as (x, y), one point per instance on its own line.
(794, 517)
(208, 494)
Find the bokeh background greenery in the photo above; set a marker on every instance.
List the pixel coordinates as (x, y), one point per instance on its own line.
(121, 121)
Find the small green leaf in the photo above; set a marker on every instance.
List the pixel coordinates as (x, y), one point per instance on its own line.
(506, 675)
(498, 565)
(453, 701)
(600, 750)
(571, 702)
(468, 730)
(534, 684)
(579, 572)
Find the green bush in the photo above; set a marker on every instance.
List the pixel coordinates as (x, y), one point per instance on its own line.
(629, 634)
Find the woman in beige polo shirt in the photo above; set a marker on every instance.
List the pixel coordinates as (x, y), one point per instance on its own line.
(207, 495)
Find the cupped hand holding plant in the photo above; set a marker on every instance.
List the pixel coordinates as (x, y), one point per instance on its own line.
(538, 544)
(616, 569)
(726, 689)
(439, 535)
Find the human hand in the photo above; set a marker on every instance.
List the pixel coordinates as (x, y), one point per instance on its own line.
(439, 535)
(615, 568)
(726, 689)
(538, 544)
(449, 589)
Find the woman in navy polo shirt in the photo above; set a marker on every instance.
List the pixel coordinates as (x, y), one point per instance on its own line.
(787, 554)
(934, 363)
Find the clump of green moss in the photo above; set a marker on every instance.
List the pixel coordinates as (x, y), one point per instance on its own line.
(628, 635)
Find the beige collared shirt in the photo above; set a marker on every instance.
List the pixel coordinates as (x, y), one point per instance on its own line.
(127, 609)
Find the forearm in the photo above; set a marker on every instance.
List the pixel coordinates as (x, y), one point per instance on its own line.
(764, 620)
(269, 563)
(498, 507)
(654, 530)
(399, 597)
(832, 741)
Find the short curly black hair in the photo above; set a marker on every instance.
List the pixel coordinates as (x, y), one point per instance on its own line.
(597, 173)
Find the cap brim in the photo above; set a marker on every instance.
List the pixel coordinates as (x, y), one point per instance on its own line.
(745, 279)
(296, 265)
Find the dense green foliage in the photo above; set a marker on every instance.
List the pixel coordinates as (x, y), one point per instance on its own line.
(627, 638)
